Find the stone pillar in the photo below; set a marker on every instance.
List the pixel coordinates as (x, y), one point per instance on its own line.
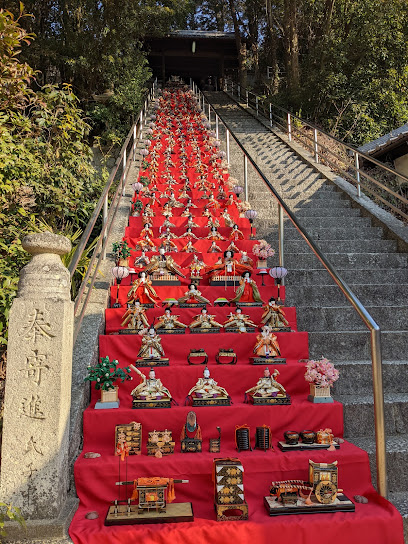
(34, 457)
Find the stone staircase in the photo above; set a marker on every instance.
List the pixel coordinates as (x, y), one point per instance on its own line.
(369, 263)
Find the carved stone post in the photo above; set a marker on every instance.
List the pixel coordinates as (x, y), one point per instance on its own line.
(34, 468)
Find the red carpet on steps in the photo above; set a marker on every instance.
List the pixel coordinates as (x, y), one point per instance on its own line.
(377, 522)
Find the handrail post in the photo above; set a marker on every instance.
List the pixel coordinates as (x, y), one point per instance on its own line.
(124, 172)
(357, 164)
(281, 240)
(134, 140)
(141, 124)
(289, 128)
(379, 419)
(270, 113)
(216, 126)
(209, 114)
(245, 177)
(239, 91)
(316, 150)
(104, 220)
(247, 100)
(256, 100)
(228, 145)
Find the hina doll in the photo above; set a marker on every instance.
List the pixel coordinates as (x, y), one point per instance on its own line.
(214, 248)
(168, 321)
(235, 234)
(266, 344)
(247, 290)
(168, 234)
(274, 316)
(239, 321)
(212, 202)
(193, 296)
(195, 267)
(145, 244)
(142, 261)
(146, 231)
(207, 388)
(227, 266)
(204, 321)
(143, 291)
(229, 222)
(214, 235)
(135, 317)
(190, 222)
(189, 235)
(267, 386)
(151, 388)
(189, 248)
(162, 263)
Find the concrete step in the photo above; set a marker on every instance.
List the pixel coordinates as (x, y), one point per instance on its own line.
(372, 248)
(329, 295)
(353, 276)
(356, 377)
(334, 233)
(302, 211)
(359, 414)
(296, 204)
(351, 345)
(299, 194)
(329, 222)
(345, 318)
(397, 460)
(330, 213)
(355, 261)
(400, 500)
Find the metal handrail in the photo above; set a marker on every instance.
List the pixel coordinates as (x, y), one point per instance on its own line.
(375, 331)
(128, 151)
(259, 105)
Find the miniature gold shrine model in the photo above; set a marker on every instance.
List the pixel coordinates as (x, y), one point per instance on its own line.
(229, 490)
(319, 494)
(155, 496)
(266, 349)
(207, 392)
(151, 352)
(267, 390)
(150, 393)
(128, 439)
(160, 443)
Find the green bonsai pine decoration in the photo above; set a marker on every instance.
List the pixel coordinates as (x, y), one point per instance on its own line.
(145, 165)
(121, 250)
(138, 205)
(106, 373)
(144, 180)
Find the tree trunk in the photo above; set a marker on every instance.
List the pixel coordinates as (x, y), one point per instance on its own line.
(291, 41)
(241, 46)
(272, 42)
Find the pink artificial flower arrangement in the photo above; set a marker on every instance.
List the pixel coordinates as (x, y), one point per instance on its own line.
(263, 250)
(321, 372)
